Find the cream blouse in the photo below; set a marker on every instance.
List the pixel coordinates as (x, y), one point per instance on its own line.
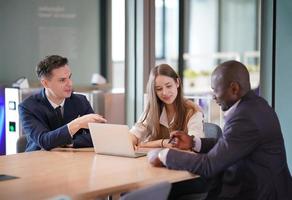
(194, 126)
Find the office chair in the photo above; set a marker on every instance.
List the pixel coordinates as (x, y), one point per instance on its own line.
(21, 144)
(212, 130)
(158, 191)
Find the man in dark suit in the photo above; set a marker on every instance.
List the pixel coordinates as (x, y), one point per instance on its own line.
(250, 158)
(56, 116)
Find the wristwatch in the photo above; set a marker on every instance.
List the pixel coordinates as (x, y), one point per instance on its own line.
(193, 144)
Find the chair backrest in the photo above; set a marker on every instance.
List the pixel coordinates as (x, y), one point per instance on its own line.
(212, 130)
(21, 144)
(158, 191)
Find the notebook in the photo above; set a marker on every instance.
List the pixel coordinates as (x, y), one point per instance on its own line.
(112, 139)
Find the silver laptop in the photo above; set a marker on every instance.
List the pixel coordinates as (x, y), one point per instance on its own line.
(112, 139)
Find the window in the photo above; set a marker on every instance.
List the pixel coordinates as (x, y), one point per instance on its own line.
(214, 31)
(166, 33)
(118, 44)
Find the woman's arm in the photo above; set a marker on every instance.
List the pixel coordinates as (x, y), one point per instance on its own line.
(162, 143)
(138, 133)
(195, 125)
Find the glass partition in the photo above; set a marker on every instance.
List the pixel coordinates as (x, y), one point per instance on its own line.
(214, 31)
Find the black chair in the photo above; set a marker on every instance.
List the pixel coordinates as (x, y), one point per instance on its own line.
(21, 144)
(158, 191)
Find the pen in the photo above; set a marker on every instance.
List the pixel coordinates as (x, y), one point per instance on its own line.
(171, 139)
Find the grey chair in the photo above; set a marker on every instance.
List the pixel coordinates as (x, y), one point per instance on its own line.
(158, 191)
(21, 144)
(212, 130)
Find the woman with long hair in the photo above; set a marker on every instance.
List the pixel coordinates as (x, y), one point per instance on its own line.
(167, 110)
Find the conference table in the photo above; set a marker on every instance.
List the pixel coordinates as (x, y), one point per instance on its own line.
(78, 174)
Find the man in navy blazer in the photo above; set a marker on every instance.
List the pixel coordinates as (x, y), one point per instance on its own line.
(250, 157)
(56, 117)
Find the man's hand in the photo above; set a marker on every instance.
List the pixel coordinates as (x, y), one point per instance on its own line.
(89, 118)
(82, 122)
(181, 140)
(154, 159)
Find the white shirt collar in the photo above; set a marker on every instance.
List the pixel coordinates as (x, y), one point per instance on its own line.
(55, 105)
(163, 118)
(231, 109)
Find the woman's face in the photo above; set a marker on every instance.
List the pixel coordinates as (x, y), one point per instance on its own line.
(166, 88)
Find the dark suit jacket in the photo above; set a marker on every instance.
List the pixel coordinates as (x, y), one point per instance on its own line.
(251, 154)
(41, 128)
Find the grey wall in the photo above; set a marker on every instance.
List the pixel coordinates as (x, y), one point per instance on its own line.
(276, 74)
(283, 72)
(32, 29)
(266, 76)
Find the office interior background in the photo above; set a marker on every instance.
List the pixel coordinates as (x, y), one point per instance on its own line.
(122, 39)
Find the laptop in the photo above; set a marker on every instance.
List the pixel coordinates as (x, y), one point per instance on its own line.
(113, 139)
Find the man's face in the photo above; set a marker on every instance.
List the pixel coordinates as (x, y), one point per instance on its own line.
(59, 84)
(222, 92)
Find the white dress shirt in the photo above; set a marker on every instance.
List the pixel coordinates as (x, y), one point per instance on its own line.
(62, 110)
(56, 105)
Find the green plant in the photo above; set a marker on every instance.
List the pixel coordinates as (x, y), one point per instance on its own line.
(192, 74)
(205, 72)
(189, 73)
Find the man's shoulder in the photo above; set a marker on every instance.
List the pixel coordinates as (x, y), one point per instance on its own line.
(32, 99)
(35, 103)
(77, 100)
(77, 97)
(252, 107)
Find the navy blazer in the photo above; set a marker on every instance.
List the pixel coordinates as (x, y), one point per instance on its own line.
(41, 128)
(250, 154)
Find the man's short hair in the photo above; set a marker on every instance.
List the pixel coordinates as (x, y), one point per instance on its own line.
(45, 67)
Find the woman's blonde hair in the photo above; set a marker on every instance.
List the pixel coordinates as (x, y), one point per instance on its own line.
(184, 108)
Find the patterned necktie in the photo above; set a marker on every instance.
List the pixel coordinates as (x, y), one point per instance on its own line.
(59, 116)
